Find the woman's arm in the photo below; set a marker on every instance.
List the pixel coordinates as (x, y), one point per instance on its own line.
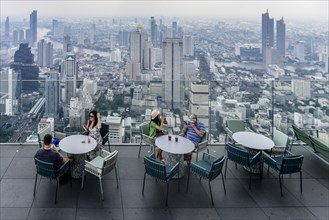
(99, 122)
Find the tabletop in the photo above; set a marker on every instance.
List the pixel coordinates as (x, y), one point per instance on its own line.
(182, 146)
(77, 144)
(253, 140)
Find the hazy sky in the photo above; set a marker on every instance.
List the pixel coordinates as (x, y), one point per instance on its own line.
(293, 9)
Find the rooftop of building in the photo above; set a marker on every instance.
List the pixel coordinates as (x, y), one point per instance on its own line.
(262, 201)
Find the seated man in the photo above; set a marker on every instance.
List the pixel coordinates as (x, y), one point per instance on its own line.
(50, 154)
(194, 131)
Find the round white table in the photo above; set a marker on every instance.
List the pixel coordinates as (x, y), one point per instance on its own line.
(256, 142)
(182, 146)
(253, 140)
(175, 150)
(78, 146)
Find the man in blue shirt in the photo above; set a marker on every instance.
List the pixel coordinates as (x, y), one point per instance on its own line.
(50, 154)
(194, 131)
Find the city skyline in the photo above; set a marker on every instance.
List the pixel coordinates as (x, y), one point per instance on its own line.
(302, 10)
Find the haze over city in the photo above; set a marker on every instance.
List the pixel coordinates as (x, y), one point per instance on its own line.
(295, 10)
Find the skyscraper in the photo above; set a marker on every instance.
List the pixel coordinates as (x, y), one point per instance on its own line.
(123, 38)
(154, 32)
(281, 37)
(7, 28)
(174, 29)
(71, 73)
(45, 54)
(33, 27)
(299, 48)
(67, 47)
(267, 32)
(188, 45)
(52, 94)
(172, 52)
(137, 41)
(25, 66)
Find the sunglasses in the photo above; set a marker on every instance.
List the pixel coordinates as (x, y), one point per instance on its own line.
(91, 116)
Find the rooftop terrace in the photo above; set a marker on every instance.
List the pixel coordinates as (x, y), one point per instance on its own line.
(263, 201)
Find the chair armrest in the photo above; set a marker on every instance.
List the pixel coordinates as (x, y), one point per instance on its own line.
(91, 168)
(311, 129)
(173, 171)
(104, 153)
(270, 161)
(228, 131)
(197, 169)
(209, 158)
(255, 159)
(64, 168)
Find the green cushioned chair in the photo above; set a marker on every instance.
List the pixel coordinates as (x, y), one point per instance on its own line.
(100, 166)
(159, 171)
(208, 168)
(145, 138)
(47, 170)
(286, 165)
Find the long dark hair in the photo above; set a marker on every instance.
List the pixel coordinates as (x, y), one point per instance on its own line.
(157, 120)
(95, 117)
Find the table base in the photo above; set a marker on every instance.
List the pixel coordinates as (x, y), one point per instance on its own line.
(172, 159)
(78, 165)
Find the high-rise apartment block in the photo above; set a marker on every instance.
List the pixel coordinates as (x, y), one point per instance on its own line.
(299, 50)
(199, 101)
(7, 28)
(52, 97)
(45, 54)
(301, 88)
(172, 53)
(33, 27)
(188, 45)
(137, 41)
(71, 73)
(281, 37)
(154, 32)
(267, 32)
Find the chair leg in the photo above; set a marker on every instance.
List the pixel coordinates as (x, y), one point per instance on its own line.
(167, 193)
(70, 179)
(83, 179)
(280, 186)
(212, 201)
(197, 155)
(35, 183)
(116, 175)
(101, 186)
(301, 182)
(139, 151)
(250, 179)
(188, 180)
(109, 146)
(268, 170)
(56, 190)
(178, 180)
(223, 183)
(225, 167)
(143, 184)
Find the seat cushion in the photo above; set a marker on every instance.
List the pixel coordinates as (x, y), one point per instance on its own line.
(98, 162)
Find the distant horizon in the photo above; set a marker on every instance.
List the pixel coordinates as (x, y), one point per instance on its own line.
(250, 10)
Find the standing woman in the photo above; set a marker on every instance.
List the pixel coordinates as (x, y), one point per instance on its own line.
(93, 128)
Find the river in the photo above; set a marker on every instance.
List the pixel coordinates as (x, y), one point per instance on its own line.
(42, 34)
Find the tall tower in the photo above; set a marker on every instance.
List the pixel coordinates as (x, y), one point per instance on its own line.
(52, 94)
(27, 69)
(188, 44)
(267, 32)
(172, 52)
(71, 72)
(67, 47)
(154, 32)
(281, 37)
(7, 28)
(45, 54)
(174, 29)
(137, 41)
(33, 27)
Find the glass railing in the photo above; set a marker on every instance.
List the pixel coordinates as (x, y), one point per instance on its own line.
(263, 104)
